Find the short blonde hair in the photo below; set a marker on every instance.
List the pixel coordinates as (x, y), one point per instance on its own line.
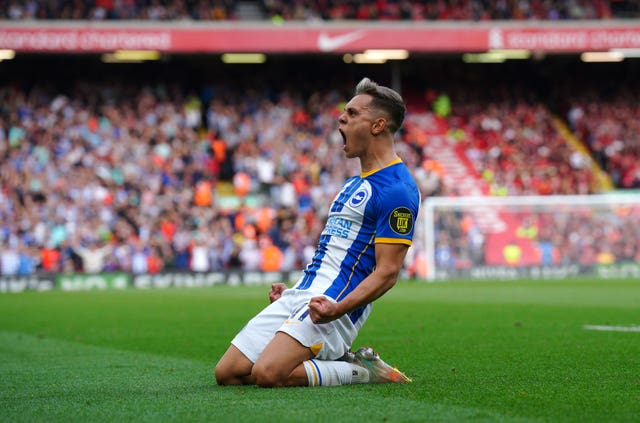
(386, 100)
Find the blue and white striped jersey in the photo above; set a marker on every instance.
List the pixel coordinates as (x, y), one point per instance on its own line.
(376, 207)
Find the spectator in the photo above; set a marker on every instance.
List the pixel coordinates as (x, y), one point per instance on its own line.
(199, 255)
(9, 261)
(272, 256)
(94, 256)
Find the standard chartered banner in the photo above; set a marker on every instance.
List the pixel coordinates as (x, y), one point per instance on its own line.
(617, 270)
(83, 282)
(166, 280)
(120, 280)
(10, 284)
(103, 281)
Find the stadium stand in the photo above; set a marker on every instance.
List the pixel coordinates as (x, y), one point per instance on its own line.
(121, 177)
(515, 148)
(114, 173)
(467, 10)
(611, 129)
(327, 10)
(178, 172)
(153, 10)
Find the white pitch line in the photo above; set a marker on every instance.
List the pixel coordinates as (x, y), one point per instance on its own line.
(613, 328)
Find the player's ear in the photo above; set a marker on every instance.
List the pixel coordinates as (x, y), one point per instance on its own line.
(378, 126)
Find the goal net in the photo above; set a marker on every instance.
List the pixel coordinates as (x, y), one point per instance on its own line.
(528, 237)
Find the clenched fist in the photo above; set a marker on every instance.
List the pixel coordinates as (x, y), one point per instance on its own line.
(323, 310)
(276, 291)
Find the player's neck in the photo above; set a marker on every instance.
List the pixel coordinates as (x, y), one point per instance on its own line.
(374, 162)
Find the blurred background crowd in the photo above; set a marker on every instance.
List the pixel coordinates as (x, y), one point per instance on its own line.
(325, 10)
(141, 179)
(147, 174)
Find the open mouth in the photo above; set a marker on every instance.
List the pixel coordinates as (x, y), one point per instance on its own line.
(344, 137)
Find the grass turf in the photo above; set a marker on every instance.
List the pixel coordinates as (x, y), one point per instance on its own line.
(477, 351)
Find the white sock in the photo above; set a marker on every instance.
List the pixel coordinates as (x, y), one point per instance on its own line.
(334, 373)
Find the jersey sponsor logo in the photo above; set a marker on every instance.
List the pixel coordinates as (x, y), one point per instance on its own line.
(401, 221)
(337, 226)
(359, 198)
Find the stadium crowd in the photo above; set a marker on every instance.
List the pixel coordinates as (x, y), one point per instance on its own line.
(468, 10)
(517, 150)
(327, 10)
(512, 142)
(108, 177)
(119, 178)
(611, 130)
(571, 236)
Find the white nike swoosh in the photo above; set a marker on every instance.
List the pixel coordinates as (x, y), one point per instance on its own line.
(329, 43)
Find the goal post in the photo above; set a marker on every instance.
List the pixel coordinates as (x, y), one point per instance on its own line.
(528, 237)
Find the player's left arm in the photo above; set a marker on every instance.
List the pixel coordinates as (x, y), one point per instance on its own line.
(389, 262)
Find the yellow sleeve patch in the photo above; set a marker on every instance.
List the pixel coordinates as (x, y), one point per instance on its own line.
(393, 241)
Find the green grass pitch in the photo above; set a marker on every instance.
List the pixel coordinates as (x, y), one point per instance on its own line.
(477, 352)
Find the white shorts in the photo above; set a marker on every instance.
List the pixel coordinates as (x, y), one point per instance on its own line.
(290, 314)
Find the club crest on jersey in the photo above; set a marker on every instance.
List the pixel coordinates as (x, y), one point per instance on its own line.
(401, 220)
(359, 197)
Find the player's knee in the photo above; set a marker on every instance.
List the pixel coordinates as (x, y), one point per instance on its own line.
(267, 377)
(219, 374)
(223, 375)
